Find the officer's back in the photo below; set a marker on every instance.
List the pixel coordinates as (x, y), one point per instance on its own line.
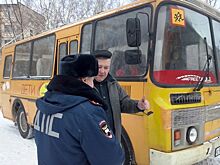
(70, 122)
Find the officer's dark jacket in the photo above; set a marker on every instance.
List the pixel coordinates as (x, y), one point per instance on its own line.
(70, 126)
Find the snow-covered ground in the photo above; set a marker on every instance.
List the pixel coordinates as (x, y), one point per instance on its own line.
(13, 148)
(16, 150)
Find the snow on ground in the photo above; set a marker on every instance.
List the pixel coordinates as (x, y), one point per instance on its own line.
(13, 148)
(16, 150)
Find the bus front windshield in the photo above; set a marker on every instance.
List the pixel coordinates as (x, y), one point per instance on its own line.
(183, 45)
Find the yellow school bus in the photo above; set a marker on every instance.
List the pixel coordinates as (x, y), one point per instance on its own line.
(166, 50)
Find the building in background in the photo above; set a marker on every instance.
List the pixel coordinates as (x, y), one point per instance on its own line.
(17, 21)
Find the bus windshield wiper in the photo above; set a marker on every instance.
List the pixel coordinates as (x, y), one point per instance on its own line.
(206, 67)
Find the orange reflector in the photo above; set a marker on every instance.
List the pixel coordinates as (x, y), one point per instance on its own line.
(177, 135)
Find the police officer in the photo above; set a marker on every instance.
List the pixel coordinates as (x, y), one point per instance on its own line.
(70, 123)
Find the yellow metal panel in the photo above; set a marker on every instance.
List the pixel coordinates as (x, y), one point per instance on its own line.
(70, 31)
(30, 89)
(212, 129)
(135, 127)
(6, 106)
(159, 125)
(212, 95)
(134, 89)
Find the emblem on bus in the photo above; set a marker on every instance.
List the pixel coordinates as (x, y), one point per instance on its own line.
(6, 86)
(43, 89)
(195, 78)
(177, 17)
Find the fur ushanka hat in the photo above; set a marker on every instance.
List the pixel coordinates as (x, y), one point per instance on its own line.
(79, 65)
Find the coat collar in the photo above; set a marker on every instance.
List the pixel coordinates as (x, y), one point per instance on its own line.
(72, 86)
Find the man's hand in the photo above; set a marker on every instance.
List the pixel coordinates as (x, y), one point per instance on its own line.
(143, 104)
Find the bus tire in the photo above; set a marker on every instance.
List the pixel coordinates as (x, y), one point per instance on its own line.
(25, 129)
(127, 148)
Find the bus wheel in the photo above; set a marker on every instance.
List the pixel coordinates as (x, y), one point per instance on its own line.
(128, 149)
(24, 128)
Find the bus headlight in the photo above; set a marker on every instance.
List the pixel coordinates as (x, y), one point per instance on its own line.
(191, 135)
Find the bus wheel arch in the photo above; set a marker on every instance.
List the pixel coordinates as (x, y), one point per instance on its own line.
(128, 148)
(16, 104)
(20, 118)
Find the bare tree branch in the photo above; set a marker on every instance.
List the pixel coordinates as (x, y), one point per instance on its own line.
(212, 3)
(61, 12)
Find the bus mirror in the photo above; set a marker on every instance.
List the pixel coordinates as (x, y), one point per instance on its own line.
(133, 57)
(133, 31)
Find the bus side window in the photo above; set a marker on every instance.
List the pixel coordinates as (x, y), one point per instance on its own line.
(86, 38)
(43, 53)
(21, 68)
(7, 66)
(43, 66)
(21, 63)
(73, 47)
(62, 50)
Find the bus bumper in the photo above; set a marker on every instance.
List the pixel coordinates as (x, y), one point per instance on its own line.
(187, 156)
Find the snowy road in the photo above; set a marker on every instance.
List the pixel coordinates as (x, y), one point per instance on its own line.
(16, 150)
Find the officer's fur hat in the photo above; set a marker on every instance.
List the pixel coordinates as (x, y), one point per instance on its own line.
(79, 65)
(102, 54)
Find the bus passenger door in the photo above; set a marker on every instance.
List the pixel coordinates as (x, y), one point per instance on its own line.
(5, 86)
(62, 48)
(67, 46)
(73, 44)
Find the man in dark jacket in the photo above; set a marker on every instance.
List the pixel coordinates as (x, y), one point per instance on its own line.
(114, 96)
(70, 123)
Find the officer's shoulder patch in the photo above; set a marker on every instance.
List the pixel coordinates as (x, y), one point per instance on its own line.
(105, 129)
(94, 103)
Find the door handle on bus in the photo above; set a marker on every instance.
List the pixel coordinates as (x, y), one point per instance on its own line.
(148, 113)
